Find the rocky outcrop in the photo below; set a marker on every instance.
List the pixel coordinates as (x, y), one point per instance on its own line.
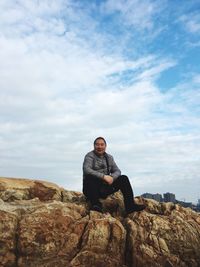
(43, 225)
(12, 189)
(170, 236)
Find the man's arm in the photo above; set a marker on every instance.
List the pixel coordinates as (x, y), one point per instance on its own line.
(88, 167)
(115, 171)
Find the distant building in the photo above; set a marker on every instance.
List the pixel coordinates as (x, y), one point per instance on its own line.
(147, 195)
(185, 204)
(157, 197)
(169, 197)
(198, 206)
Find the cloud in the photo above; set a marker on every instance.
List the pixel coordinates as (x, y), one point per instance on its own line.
(191, 22)
(63, 83)
(156, 69)
(139, 14)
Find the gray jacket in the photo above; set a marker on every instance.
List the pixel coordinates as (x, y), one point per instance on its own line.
(97, 166)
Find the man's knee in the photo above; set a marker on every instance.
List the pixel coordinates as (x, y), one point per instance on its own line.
(123, 178)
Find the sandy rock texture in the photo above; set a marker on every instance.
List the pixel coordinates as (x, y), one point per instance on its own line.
(12, 189)
(168, 237)
(43, 225)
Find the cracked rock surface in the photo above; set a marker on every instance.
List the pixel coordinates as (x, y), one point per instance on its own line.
(43, 225)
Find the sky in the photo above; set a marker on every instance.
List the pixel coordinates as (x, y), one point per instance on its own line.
(127, 70)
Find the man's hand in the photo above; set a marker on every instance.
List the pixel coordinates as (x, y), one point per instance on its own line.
(108, 179)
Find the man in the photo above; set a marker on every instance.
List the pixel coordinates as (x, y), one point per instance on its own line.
(102, 177)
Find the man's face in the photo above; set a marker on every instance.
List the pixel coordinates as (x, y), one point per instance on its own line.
(99, 147)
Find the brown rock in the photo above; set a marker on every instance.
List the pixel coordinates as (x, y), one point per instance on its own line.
(8, 230)
(164, 240)
(103, 243)
(17, 189)
(50, 233)
(72, 197)
(38, 231)
(61, 234)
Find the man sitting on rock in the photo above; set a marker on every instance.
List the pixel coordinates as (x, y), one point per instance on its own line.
(102, 177)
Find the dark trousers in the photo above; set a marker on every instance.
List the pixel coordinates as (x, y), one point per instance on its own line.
(95, 188)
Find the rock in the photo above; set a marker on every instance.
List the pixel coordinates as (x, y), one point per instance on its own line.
(50, 233)
(103, 243)
(163, 240)
(8, 230)
(43, 225)
(59, 234)
(17, 189)
(72, 197)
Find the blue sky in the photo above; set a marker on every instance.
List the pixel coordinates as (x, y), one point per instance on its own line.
(126, 70)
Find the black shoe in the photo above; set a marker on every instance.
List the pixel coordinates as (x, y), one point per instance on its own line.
(136, 207)
(96, 208)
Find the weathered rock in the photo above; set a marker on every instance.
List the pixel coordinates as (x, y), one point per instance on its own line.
(8, 230)
(44, 232)
(72, 196)
(103, 243)
(50, 233)
(17, 189)
(60, 234)
(171, 238)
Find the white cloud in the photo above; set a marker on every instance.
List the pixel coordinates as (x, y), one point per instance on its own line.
(58, 92)
(193, 26)
(156, 69)
(136, 13)
(191, 22)
(196, 79)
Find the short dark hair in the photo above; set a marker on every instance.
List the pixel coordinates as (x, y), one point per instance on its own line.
(101, 138)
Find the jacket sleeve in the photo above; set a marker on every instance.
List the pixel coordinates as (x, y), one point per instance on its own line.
(88, 167)
(115, 171)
